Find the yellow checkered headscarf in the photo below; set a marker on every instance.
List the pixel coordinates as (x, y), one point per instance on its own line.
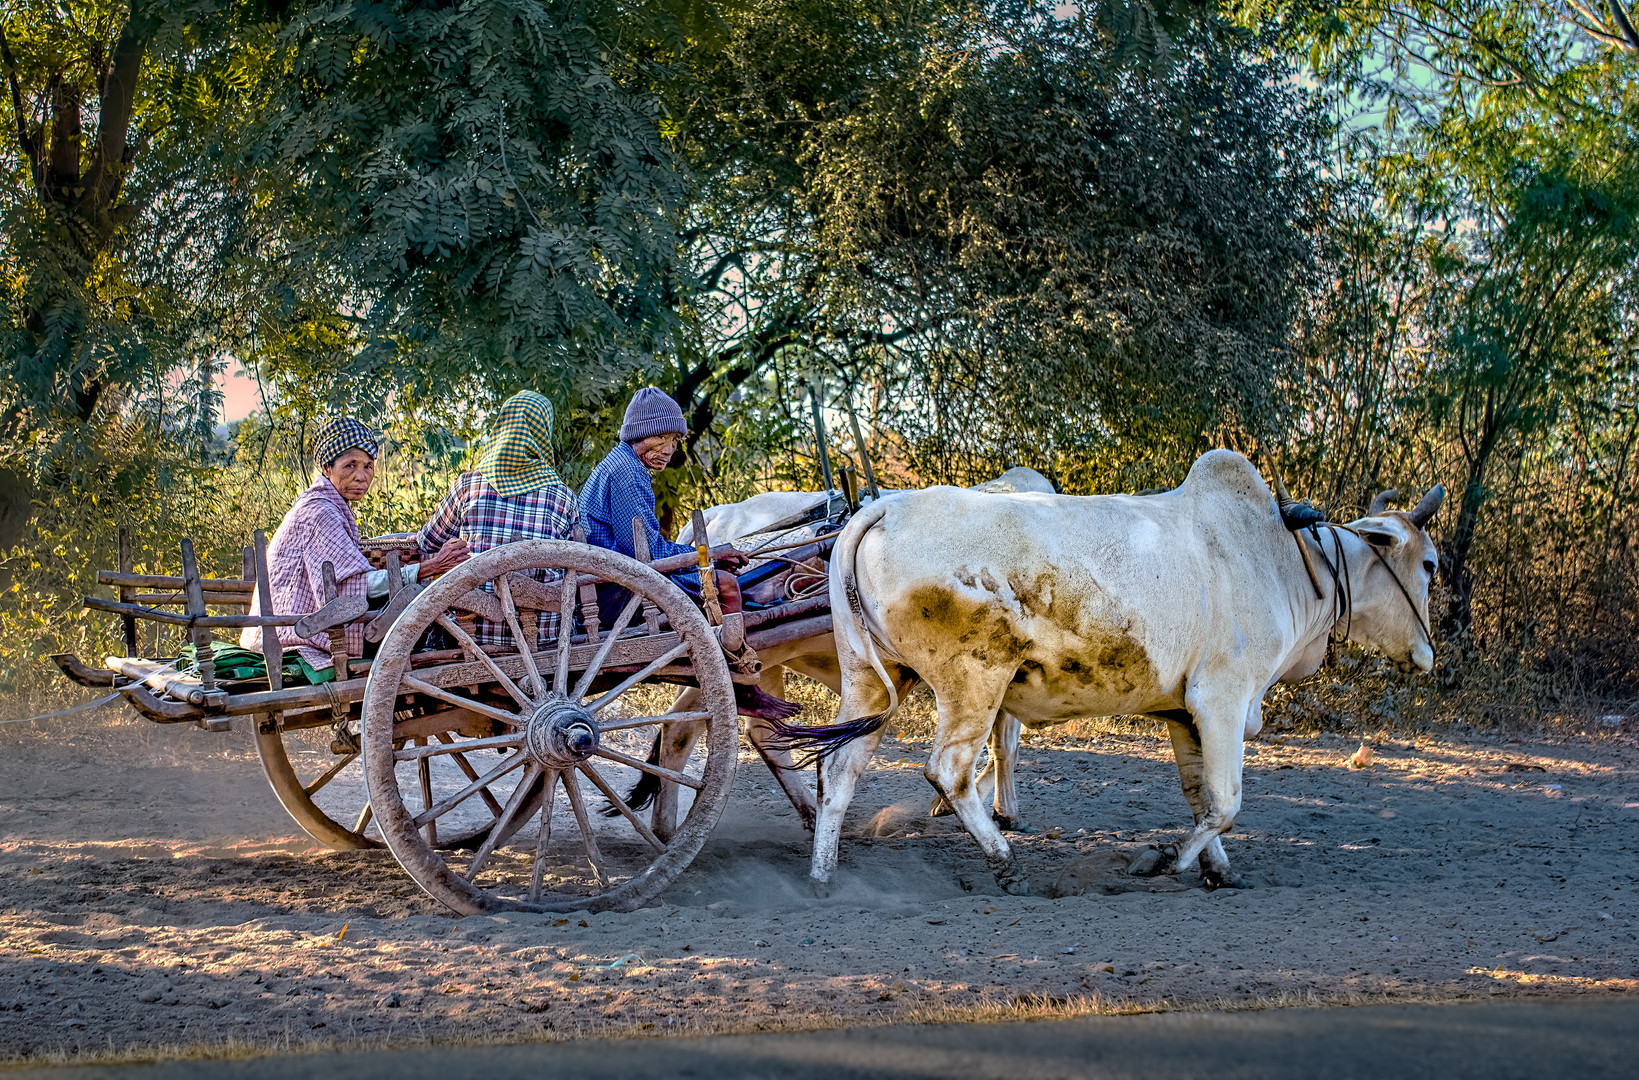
(517, 457)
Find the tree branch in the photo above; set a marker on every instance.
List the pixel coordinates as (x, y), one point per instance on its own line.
(1627, 26)
(109, 158)
(24, 139)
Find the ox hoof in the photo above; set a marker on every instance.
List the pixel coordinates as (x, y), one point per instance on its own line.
(1148, 863)
(1019, 886)
(1012, 879)
(941, 807)
(820, 889)
(1213, 880)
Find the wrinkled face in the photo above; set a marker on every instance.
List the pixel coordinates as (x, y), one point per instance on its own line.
(352, 474)
(656, 451)
(1384, 617)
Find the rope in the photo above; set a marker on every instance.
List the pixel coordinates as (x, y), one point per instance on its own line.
(1343, 598)
(87, 707)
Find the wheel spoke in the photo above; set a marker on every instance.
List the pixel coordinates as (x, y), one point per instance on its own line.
(645, 721)
(566, 631)
(472, 774)
(503, 820)
(636, 677)
(644, 766)
(329, 775)
(596, 665)
(571, 787)
(421, 686)
(434, 812)
(364, 818)
(475, 649)
(545, 836)
(526, 646)
(424, 769)
(620, 804)
(433, 750)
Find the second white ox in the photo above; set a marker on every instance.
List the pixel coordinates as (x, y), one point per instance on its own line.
(1188, 605)
(815, 657)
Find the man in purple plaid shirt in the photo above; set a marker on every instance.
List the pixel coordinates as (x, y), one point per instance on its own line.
(513, 494)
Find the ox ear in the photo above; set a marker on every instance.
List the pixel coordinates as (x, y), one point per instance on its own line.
(1379, 539)
(1426, 507)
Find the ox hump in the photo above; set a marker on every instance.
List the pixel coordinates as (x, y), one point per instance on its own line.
(1224, 472)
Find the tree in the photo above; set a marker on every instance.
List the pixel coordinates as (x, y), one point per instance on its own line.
(490, 180)
(113, 219)
(990, 214)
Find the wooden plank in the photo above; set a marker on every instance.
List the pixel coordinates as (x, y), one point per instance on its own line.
(221, 622)
(272, 652)
(196, 609)
(129, 621)
(168, 599)
(164, 581)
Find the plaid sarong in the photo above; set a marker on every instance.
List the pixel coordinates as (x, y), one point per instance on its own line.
(517, 458)
(319, 528)
(485, 519)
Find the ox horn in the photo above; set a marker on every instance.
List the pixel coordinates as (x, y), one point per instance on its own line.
(1426, 507)
(1382, 501)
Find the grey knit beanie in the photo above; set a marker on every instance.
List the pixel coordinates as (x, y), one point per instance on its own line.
(652, 412)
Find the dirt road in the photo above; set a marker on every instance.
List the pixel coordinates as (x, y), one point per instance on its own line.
(153, 894)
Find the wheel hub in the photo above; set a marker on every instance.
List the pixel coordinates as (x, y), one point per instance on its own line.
(560, 734)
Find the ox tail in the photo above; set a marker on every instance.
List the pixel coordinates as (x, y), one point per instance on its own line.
(848, 619)
(644, 792)
(845, 595)
(809, 745)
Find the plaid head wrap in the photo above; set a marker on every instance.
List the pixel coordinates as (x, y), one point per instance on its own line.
(517, 458)
(340, 434)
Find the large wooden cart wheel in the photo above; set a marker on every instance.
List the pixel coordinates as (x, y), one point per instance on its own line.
(546, 734)
(330, 804)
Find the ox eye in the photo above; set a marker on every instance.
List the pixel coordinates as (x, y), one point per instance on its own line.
(1428, 567)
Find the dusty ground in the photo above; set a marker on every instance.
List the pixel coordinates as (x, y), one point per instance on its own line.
(152, 893)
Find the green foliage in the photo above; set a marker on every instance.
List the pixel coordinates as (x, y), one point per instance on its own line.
(498, 202)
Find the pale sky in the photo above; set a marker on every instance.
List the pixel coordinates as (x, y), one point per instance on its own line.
(240, 396)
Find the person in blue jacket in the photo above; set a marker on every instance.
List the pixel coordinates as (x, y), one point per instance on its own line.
(621, 488)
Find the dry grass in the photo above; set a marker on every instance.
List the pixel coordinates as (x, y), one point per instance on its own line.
(1026, 1008)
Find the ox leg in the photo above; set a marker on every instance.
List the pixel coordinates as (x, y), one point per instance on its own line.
(1004, 755)
(862, 695)
(996, 783)
(1186, 751)
(962, 729)
(1216, 736)
(772, 682)
(676, 743)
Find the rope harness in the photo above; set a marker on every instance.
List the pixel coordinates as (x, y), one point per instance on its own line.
(1343, 595)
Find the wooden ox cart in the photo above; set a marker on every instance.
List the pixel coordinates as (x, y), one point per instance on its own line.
(483, 768)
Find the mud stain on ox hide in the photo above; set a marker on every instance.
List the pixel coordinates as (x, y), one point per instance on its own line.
(1102, 660)
(985, 628)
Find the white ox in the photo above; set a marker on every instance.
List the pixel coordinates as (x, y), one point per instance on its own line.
(1188, 605)
(815, 657)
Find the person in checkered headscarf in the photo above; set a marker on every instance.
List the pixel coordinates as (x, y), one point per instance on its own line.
(512, 493)
(320, 528)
